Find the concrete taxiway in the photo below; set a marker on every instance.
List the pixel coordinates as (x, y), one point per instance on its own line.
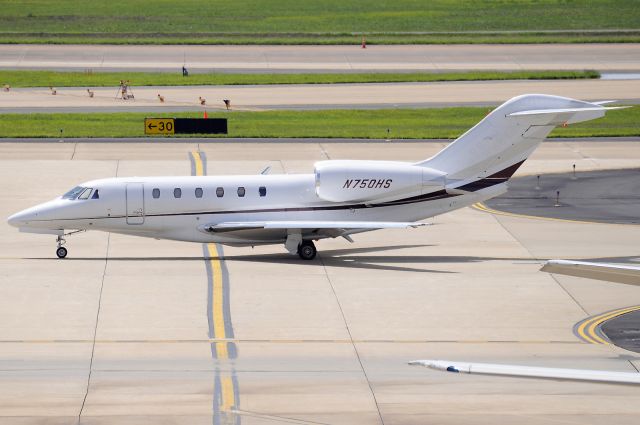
(602, 57)
(141, 331)
(313, 96)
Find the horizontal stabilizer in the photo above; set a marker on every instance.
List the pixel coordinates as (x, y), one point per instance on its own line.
(230, 226)
(564, 111)
(627, 274)
(563, 115)
(601, 376)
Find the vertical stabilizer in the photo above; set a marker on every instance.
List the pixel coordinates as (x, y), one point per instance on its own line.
(499, 144)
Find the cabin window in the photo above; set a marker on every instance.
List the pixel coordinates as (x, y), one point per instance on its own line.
(95, 195)
(177, 192)
(85, 194)
(220, 192)
(263, 191)
(155, 193)
(241, 191)
(198, 192)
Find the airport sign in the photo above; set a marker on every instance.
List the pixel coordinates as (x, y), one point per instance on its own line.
(159, 126)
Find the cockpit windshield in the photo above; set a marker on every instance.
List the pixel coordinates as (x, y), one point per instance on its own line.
(79, 192)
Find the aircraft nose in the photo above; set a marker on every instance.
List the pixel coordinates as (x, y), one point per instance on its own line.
(15, 219)
(22, 217)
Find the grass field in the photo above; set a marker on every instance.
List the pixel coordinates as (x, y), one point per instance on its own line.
(106, 79)
(318, 22)
(402, 123)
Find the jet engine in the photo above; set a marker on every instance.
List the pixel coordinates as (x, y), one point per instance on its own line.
(380, 181)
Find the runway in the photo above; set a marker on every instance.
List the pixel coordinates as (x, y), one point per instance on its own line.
(435, 58)
(313, 96)
(121, 331)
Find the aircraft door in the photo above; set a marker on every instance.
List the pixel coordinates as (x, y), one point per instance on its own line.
(135, 203)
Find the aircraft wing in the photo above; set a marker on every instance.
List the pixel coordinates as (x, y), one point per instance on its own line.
(365, 225)
(619, 273)
(602, 376)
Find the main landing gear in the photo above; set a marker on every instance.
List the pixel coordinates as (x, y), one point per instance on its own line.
(307, 250)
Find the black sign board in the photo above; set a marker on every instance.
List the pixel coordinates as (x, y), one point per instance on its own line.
(200, 126)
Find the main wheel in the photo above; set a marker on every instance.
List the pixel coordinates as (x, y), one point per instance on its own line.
(61, 252)
(307, 250)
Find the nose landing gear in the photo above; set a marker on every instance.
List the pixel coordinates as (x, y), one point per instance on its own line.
(61, 251)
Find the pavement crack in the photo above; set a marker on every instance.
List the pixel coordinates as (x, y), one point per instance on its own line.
(353, 344)
(95, 329)
(565, 290)
(324, 151)
(277, 418)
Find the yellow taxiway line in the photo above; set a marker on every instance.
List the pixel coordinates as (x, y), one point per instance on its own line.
(587, 329)
(482, 207)
(227, 386)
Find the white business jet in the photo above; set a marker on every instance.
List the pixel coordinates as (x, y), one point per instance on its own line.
(339, 198)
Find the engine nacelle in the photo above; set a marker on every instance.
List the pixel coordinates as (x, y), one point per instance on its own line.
(355, 181)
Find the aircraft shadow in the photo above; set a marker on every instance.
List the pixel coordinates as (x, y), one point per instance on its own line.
(353, 258)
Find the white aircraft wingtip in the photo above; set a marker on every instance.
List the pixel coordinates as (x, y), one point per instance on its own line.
(601, 376)
(442, 365)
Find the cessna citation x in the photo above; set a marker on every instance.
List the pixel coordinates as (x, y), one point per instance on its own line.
(340, 198)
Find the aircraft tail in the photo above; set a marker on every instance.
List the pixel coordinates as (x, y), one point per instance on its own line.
(492, 150)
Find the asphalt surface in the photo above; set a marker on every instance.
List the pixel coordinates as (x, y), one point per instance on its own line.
(602, 196)
(436, 58)
(624, 331)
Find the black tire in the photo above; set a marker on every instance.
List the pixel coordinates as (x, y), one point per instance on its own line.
(307, 250)
(61, 252)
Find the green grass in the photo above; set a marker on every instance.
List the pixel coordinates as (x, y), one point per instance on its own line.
(403, 123)
(106, 79)
(317, 22)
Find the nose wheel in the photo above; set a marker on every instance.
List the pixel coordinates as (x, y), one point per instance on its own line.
(61, 251)
(307, 250)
